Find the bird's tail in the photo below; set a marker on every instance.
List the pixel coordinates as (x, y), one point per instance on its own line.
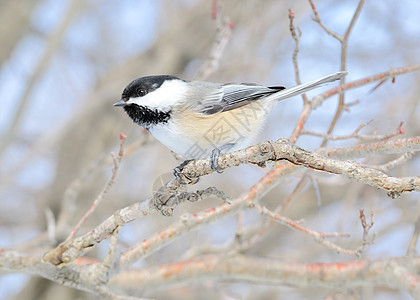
(303, 88)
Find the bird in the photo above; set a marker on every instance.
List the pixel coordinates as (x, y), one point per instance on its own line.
(198, 119)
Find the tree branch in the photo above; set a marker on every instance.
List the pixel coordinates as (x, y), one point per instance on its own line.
(395, 273)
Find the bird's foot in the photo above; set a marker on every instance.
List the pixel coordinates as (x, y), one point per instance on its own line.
(214, 160)
(178, 171)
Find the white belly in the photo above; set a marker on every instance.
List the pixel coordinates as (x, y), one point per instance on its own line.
(197, 138)
(170, 136)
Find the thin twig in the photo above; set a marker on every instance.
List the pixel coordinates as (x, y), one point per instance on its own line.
(68, 205)
(296, 37)
(293, 224)
(366, 227)
(396, 162)
(411, 250)
(344, 48)
(51, 225)
(317, 19)
(319, 99)
(356, 135)
(108, 263)
(301, 184)
(105, 190)
(402, 145)
(223, 34)
(317, 192)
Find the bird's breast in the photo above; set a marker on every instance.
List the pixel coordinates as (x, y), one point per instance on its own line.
(194, 135)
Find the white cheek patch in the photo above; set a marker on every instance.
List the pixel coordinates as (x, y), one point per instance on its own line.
(167, 95)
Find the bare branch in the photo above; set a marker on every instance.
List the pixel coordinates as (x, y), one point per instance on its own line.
(393, 272)
(105, 190)
(282, 149)
(344, 48)
(319, 99)
(317, 19)
(356, 135)
(70, 250)
(296, 37)
(411, 250)
(223, 34)
(366, 227)
(318, 236)
(396, 146)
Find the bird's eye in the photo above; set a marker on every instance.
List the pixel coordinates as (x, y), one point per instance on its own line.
(141, 92)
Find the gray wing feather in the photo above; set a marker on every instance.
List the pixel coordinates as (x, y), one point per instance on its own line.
(218, 98)
(230, 96)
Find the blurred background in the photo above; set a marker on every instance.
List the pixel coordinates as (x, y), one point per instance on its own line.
(64, 63)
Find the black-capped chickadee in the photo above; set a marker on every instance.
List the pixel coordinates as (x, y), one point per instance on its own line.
(194, 118)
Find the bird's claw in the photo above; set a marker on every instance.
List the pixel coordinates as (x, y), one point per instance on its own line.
(214, 160)
(178, 173)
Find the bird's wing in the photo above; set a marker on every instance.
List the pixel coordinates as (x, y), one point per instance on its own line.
(230, 96)
(220, 98)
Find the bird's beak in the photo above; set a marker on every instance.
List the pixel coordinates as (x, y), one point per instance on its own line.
(120, 103)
